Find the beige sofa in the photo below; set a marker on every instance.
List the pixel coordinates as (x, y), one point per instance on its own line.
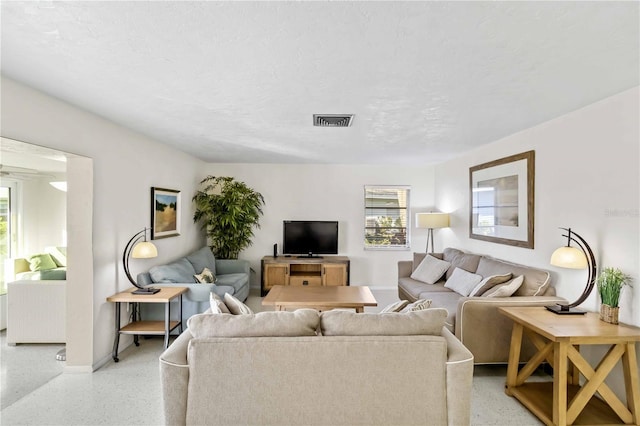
(476, 321)
(272, 368)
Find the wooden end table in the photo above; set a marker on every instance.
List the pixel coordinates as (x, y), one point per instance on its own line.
(557, 338)
(137, 327)
(322, 298)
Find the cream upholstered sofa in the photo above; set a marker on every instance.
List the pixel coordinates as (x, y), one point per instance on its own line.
(272, 368)
(476, 321)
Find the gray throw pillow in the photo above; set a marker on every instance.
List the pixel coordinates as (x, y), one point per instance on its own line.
(506, 289)
(488, 283)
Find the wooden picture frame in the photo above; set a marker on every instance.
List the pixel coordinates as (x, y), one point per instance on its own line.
(501, 200)
(165, 213)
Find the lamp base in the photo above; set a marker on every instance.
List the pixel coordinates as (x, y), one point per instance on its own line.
(146, 290)
(563, 310)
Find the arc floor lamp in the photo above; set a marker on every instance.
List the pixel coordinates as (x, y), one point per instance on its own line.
(574, 258)
(139, 248)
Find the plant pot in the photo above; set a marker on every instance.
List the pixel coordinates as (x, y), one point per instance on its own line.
(609, 314)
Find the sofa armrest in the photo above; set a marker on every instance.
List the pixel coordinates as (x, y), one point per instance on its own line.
(232, 266)
(174, 377)
(459, 380)
(486, 332)
(405, 268)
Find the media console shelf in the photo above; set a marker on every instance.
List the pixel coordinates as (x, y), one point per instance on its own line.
(299, 271)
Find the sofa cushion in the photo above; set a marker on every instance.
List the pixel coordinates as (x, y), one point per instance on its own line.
(460, 259)
(202, 258)
(180, 271)
(235, 306)
(237, 281)
(302, 322)
(448, 301)
(345, 323)
(416, 288)
(41, 262)
(462, 282)
(430, 270)
(536, 281)
(217, 304)
(507, 289)
(488, 283)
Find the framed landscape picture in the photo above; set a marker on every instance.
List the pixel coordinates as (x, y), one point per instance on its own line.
(165, 213)
(502, 200)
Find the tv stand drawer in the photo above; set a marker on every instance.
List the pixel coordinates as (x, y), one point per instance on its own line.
(309, 280)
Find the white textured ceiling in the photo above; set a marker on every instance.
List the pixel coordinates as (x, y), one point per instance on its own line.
(240, 81)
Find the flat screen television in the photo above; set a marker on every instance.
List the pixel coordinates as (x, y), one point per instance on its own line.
(310, 237)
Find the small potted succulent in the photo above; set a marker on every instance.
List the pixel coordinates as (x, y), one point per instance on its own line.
(610, 283)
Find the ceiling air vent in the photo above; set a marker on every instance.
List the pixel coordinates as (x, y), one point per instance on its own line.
(332, 120)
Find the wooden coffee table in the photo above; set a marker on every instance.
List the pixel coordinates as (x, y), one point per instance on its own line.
(322, 298)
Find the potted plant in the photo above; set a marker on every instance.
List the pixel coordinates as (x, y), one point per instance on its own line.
(228, 211)
(610, 283)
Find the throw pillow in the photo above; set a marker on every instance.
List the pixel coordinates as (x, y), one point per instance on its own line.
(395, 307)
(217, 305)
(235, 306)
(506, 289)
(41, 262)
(418, 305)
(430, 270)
(462, 282)
(488, 283)
(205, 277)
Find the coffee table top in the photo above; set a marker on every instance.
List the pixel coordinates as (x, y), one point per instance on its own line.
(320, 296)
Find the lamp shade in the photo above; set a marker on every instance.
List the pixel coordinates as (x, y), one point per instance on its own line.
(432, 220)
(144, 250)
(569, 257)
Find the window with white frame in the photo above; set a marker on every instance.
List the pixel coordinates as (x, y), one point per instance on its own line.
(386, 217)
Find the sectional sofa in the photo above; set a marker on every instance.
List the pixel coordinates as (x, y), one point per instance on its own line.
(474, 319)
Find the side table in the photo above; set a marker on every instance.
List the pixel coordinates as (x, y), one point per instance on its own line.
(137, 327)
(557, 338)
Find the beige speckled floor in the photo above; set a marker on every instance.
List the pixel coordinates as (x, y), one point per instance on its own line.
(128, 393)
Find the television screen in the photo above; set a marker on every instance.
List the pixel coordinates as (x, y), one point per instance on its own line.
(310, 237)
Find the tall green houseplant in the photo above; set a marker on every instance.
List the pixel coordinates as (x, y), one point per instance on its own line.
(228, 210)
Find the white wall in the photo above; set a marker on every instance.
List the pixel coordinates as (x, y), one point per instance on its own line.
(43, 216)
(331, 192)
(125, 166)
(587, 178)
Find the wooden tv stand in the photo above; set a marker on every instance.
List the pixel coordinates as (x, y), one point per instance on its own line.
(304, 271)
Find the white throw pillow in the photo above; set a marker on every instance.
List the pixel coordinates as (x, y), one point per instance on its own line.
(217, 305)
(418, 305)
(506, 289)
(394, 307)
(488, 283)
(462, 282)
(235, 306)
(430, 270)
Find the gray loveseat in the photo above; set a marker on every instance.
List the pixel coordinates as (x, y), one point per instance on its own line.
(476, 320)
(306, 368)
(232, 276)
